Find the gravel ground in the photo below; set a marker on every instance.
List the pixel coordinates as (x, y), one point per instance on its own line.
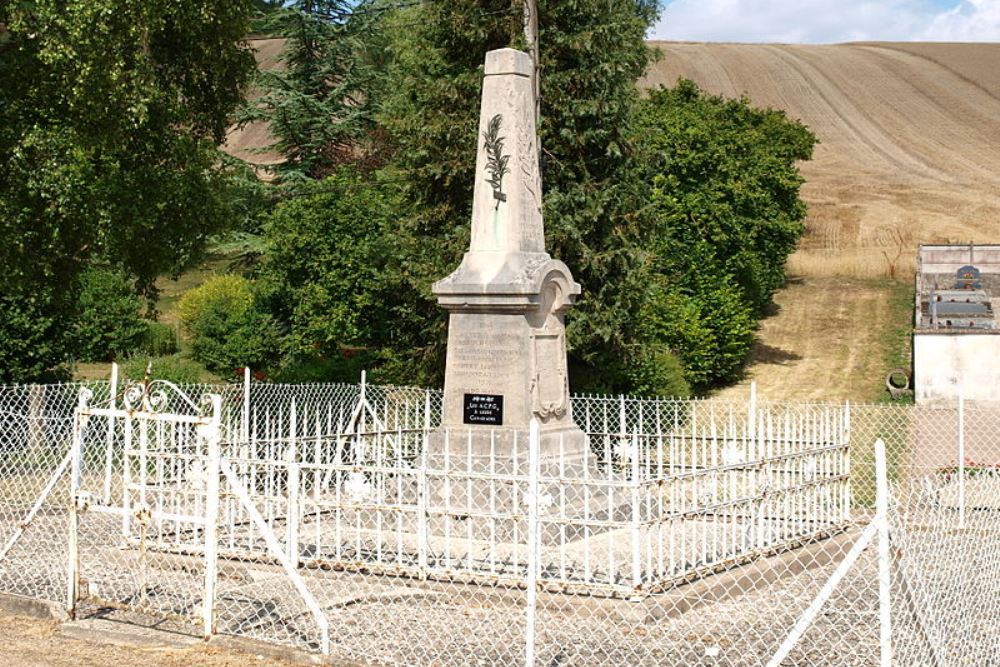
(399, 621)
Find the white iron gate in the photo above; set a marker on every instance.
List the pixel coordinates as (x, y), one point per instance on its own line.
(144, 484)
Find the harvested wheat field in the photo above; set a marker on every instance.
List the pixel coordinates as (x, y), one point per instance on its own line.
(908, 154)
(908, 136)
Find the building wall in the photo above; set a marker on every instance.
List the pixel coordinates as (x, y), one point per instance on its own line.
(947, 259)
(943, 361)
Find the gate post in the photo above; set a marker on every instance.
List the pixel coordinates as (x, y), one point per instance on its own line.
(73, 538)
(212, 433)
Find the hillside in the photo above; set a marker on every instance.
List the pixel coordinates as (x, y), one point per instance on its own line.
(908, 154)
(908, 136)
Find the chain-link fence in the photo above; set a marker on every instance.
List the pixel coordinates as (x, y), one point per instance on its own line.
(343, 519)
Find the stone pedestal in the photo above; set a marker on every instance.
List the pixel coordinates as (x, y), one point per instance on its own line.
(506, 301)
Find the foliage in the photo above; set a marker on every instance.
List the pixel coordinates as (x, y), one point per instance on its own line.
(675, 213)
(110, 111)
(722, 184)
(158, 339)
(227, 327)
(318, 104)
(174, 368)
(656, 371)
(329, 274)
(109, 323)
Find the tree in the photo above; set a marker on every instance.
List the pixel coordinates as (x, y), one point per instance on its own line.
(110, 112)
(109, 321)
(592, 53)
(228, 330)
(318, 104)
(331, 276)
(722, 187)
(675, 213)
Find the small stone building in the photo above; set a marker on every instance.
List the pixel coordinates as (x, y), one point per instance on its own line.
(956, 338)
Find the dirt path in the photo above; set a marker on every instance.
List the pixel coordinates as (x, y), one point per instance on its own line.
(827, 340)
(31, 642)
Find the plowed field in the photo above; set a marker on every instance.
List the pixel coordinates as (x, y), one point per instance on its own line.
(909, 153)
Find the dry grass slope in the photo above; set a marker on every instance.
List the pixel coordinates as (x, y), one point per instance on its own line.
(908, 154)
(908, 136)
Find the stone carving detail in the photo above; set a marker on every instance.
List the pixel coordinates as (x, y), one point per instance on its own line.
(548, 386)
(527, 273)
(496, 161)
(526, 155)
(549, 394)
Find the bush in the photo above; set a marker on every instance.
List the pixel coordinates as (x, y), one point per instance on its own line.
(159, 339)
(227, 328)
(721, 188)
(174, 368)
(109, 321)
(658, 372)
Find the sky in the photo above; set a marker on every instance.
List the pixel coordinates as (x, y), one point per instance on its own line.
(829, 21)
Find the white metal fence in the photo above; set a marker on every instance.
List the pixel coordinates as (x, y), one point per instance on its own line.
(697, 532)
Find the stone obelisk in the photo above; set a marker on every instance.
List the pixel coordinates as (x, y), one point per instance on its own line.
(506, 337)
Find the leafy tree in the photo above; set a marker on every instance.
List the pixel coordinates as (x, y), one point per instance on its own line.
(318, 104)
(110, 112)
(110, 321)
(330, 275)
(722, 184)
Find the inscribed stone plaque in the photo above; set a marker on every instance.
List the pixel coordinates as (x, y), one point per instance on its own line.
(483, 409)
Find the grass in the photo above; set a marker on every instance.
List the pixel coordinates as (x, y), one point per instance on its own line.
(898, 338)
(225, 255)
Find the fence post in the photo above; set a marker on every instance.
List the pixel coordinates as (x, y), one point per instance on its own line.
(848, 496)
(73, 564)
(246, 405)
(961, 458)
(292, 521)
(110, 438)
(635, 531)
(532, 574)
(752, 410)
(213, 431)
(422, 495)
(884, 581)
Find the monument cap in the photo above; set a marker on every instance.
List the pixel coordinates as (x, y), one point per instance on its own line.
(508, 61)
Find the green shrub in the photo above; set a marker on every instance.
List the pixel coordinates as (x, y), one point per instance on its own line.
(658, 372)
(109, 321)
(227, 328)
(159, 339)
(174, 368)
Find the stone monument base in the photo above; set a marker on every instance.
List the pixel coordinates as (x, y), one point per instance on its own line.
(482, 471)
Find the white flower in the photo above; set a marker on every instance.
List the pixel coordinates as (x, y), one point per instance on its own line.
(625, 450)
(543, 503)
(357, 487)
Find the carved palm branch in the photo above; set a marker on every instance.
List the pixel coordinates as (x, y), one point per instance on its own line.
(496, 161)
